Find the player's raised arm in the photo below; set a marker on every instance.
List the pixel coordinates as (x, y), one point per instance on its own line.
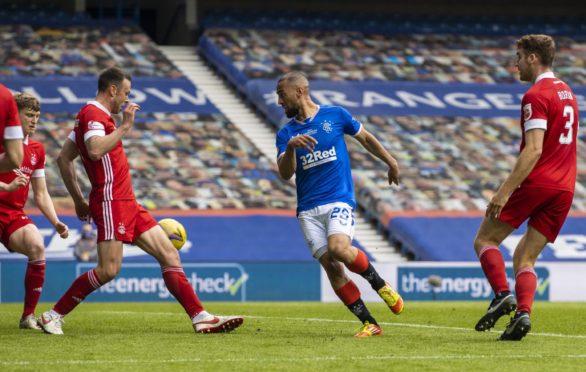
(66, 165)
(372, 145)
(98, 146)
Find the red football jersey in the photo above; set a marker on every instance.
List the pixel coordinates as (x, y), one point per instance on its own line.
(33, 165)
(109, 176)
(550, 104)
(9, 121)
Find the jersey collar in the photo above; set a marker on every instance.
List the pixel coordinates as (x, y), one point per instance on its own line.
(25, 140)
(545, 75)
(310, 119)
(100, 106)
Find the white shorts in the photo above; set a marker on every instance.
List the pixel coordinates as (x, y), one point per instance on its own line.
(320, 222)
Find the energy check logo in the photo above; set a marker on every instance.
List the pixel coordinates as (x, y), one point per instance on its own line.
(143, 282)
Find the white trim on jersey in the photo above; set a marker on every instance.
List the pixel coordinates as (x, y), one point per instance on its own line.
(359, 130)
(109, 174)
(91, 133)
(71, 136)
(545, 75)
(100, 106)
(108, 222)
(14, 132)
(535, 124)
(107, 203)
(38, 173)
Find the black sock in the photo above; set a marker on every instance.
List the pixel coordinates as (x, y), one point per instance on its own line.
(376, 282)
(359, 309)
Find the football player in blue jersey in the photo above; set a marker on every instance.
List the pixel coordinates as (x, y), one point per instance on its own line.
(311, 146)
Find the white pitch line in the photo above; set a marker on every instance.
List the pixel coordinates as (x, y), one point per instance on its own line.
(405, 325)
(263, 360)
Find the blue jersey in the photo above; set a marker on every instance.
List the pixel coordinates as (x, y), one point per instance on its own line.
(322, 176)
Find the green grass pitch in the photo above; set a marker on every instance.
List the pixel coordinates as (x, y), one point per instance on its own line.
(293, 337)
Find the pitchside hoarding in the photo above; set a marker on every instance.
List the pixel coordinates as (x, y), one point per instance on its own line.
(139, 282)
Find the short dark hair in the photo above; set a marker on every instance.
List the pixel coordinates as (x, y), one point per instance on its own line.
(542, 45)
(112, 76)
(26, 101)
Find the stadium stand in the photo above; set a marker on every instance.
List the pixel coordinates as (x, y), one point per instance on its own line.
(81, 50)
(359, 56)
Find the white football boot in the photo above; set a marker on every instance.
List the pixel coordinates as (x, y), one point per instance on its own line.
(29, 322)
(51, 322)
(208, 323)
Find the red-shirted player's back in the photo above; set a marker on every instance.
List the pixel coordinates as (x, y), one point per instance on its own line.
(33, 165)
(110, 175)
(9, 121)
(550, 102)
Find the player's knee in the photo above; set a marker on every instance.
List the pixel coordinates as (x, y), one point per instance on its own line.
(108, 272)
(36, 251)
(339, 248)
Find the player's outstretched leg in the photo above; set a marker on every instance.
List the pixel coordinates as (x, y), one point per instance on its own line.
(364, 268)
(202, 321)
(156, 243)
(52, 321)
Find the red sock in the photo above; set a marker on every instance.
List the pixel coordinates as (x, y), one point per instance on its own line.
(360, 263)
(180, 288)
(85, 284)
(33, 285)
(525, 286)
(348, 293)
(493, 265)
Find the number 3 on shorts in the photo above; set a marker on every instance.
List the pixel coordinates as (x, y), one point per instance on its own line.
(340, 214)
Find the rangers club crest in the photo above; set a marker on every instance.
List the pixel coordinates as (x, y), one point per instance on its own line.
(34, 159)
(327, 127)
(527, 112)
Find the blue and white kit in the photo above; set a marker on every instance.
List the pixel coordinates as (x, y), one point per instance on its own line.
(325, 191)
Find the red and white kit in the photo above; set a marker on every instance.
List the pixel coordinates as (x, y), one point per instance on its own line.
(113, 206)
(12, 216)
(545, 197)
(9, 120)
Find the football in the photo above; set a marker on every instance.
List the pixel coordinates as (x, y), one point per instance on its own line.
(175, 231)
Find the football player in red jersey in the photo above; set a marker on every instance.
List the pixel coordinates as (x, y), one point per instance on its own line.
(113, 207)
(539, 189)
(11, 151)
(17, 231)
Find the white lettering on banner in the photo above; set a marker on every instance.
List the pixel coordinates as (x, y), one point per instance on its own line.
(370, 99)
(470, 101)
(477, 287)
(176, 95)
(331, 97)
(137, 96)
(569, 246)
(429, 99)
(45, 100)
(566, 246)
(210, 285)
(71, 98)
(501, 101)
